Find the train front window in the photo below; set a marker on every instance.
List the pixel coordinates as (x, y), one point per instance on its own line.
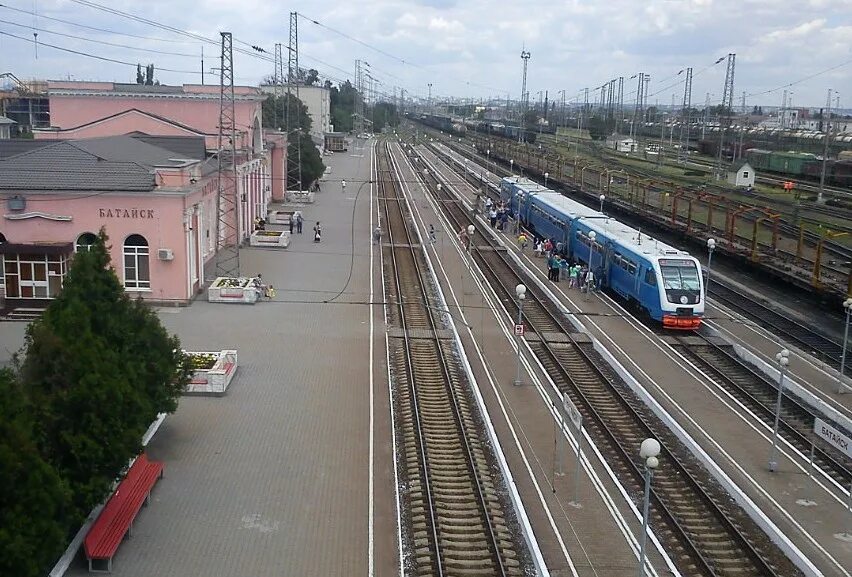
(681, 277)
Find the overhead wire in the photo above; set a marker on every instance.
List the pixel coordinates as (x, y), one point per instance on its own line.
(104, 42)
(94, 28)
(95, 56)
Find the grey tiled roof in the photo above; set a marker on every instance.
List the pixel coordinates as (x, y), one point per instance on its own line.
(66, 166)
(128, 149)
(4, 120)
(14, 146)
(181, 146)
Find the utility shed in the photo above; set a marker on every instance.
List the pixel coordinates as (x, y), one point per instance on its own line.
(743, 176)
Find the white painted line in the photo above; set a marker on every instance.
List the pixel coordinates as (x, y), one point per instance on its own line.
(370, 530)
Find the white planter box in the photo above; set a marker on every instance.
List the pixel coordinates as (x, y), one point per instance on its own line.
(215, 380)
(300, 196)
(275, 238)
(279, 217)
(245, 292)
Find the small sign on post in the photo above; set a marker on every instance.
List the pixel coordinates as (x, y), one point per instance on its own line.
(788, 185)
(833, 437)
(519, 330)
(577, 419)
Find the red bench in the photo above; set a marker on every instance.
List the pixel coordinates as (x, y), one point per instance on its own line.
(116, 518)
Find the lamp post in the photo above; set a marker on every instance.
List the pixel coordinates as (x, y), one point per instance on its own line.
(511, 166)
(546, 175)
(592, 236)
(470, 232)
(521, 292)
(841, 387)
(783, 359)
(711, 246)
(602, 198)
(649, 450)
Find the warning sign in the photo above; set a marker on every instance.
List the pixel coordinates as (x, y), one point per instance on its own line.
(519, 330)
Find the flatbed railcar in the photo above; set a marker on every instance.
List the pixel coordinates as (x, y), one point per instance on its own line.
(658, 278)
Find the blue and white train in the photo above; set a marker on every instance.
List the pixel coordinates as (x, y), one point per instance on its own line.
(662, 280)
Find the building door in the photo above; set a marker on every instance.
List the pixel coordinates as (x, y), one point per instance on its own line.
(34, 276)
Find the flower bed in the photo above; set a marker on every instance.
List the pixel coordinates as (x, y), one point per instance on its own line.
(212, 371)
(275, 238)
(300, 196)
(279, 217)
(232, 290)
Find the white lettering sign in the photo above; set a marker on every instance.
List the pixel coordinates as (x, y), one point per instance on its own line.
(833, 437)
(572, 412)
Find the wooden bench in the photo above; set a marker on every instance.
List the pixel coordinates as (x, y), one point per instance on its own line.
(116, 518)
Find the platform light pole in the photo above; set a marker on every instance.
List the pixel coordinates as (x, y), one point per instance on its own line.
(602, 198)
(711, 246)
(546, 175)
(783, 359)
(649, 450)
(520, 292)
(512, 166)
(471, 230)
(841, 386)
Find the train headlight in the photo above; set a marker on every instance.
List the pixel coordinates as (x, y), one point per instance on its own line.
(684, 299)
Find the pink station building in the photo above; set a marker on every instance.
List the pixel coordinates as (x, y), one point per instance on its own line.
(140, 161)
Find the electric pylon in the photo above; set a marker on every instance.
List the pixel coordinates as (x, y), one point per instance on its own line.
(227, 203)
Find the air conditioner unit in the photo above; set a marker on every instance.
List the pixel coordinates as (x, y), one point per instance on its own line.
(165, 254)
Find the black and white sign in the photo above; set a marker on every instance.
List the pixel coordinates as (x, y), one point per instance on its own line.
(833, 437)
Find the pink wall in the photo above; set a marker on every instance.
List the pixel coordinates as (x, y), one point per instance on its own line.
(160, 219)
(130, 122)
(201, 114)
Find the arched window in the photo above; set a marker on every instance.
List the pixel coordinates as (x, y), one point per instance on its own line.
(85, 242)
(137, 274)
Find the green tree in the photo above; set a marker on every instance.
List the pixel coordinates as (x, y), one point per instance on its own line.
(140, 78)
(149, 75)
(33, 501)
(343, 106)
(300, 144)
(99, 367)
(274, 111)
(384, 114)
(598, 127)
(311, 77)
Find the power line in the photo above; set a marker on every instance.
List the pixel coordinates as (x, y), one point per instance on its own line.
(814, 75)
(95, 28)
(95, 56)
(104, 42)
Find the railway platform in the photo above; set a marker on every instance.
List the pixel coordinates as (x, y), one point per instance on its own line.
(278, 477)
(810, 510)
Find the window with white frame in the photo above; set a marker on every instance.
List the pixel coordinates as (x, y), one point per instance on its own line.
(137, 273)
(85, 242)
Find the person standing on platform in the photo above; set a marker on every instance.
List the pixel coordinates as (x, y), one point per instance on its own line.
(292, 221)
(298, 223)
(377, 235)
(317, 232)
(432, 234)
(342, 186)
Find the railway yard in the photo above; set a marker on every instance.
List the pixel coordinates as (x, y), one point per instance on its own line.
(437, 424)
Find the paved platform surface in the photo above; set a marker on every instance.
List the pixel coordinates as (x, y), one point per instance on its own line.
(812, 517)
(273, 478)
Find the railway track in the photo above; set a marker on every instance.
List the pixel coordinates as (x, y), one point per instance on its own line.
(759, 395)
(457, 520)
(697, 522)
(795, 333)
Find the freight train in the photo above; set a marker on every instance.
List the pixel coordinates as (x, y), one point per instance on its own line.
(800, 165)
(461, 127)
(653, 276)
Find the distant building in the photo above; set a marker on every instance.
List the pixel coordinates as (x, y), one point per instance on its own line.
(622, 144)
(743, 176)
(318, 101)
(6, 127)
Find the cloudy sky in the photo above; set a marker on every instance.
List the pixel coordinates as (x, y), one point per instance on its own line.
(465, 48)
